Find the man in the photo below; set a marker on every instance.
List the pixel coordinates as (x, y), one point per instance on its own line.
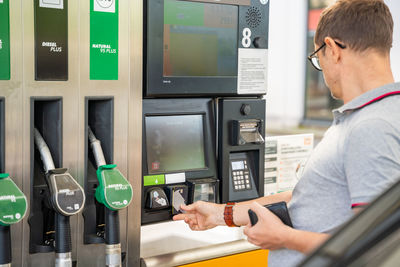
(359, 156)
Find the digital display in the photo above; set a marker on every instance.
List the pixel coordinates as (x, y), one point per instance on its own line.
(200, 39)
(174, 143)
(204, 192)
(237, 165)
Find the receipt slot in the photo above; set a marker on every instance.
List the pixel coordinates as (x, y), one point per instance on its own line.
(114, 192)
(65, 196)
(241, 148)
(13, 206)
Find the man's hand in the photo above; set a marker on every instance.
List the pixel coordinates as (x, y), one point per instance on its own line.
(269, 232)
(202, 215)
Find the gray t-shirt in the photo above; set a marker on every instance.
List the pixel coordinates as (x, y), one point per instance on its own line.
(358, 158)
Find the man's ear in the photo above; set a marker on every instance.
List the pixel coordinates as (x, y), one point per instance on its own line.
(333, 49)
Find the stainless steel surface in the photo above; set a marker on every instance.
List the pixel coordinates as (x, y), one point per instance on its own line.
(12, 91)
(45, 154)
(135, 10)
(95, 144)
(198, 254)
(113, 255)
(63, 260)
(127, 93)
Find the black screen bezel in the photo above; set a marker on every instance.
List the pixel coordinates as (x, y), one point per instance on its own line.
(158, 85)
(165, 107)
(204, 142)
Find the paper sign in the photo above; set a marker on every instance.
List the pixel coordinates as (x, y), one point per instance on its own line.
(252, 71)
(59, 4)
(285, 159)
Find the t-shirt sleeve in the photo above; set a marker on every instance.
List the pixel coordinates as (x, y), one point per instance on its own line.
(371, 160)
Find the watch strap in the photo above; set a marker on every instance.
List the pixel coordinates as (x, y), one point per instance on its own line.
(228, 214)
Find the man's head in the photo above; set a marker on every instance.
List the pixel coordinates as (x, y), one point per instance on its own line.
(363, 27)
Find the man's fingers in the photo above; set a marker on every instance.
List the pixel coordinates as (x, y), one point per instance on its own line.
(179, 217)
(189, 208)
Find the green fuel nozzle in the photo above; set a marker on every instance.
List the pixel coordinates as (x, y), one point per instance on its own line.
(114, 190)
(115, 193)
(13, 206)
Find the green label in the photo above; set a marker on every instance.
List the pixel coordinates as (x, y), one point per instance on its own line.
(4, 40)
(103, 39)
(153, 180)
(13, 203)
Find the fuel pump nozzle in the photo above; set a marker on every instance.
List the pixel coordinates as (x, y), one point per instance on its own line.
(66, 198)
(115, 193)
(13, 206)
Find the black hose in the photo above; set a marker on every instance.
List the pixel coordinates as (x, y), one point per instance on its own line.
(112, 227)
(5, 245)
(63, 234)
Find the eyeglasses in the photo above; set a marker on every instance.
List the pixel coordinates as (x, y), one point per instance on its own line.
(314, 58)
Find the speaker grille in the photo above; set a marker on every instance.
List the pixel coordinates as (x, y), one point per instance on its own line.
(253, 17)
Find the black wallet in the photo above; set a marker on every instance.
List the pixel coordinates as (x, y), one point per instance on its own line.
(279, 209)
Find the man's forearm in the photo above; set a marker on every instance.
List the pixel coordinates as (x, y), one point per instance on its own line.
(303, 241)
(240, 214)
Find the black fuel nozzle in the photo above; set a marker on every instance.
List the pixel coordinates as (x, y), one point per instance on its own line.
(66, 198)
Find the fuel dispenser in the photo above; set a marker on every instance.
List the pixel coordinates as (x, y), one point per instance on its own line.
(13, 206)
(65, 197)
(241, 148)
(114, 193)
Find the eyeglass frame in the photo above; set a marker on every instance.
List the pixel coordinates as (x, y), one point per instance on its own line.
(314, 54)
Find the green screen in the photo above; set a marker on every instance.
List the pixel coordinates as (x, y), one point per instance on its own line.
(200, 39)
(174, 143)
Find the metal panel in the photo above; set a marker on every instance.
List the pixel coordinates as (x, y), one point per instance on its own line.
(12, 91)
(127, 93)
(68, 90)
(93, 255)
(135, 129)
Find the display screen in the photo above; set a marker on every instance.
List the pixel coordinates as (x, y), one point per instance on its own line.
(237, 165)
(174, 143)
(200, 39)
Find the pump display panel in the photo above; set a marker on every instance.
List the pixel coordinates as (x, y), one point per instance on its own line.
(201, 48)
(200, 39)
(178, 155)
(175, 143)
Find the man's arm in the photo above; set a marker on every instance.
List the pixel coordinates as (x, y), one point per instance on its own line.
(240, 210)
(204, 215)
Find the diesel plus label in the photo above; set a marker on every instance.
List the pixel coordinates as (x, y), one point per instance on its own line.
(51, 40)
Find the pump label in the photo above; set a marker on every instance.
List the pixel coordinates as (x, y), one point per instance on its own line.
(51, 40)
(104, 39)
(4, 41)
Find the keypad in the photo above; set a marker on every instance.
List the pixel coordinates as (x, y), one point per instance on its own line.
(241, 178)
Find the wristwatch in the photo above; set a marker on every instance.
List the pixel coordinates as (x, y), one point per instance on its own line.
(228, 214)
